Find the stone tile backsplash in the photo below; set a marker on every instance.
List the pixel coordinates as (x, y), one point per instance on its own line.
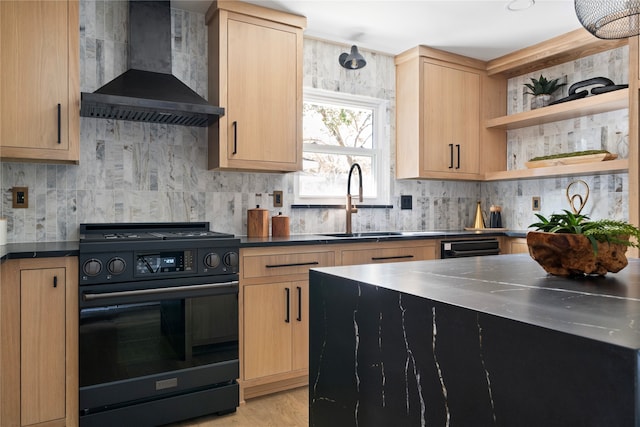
(149, 172)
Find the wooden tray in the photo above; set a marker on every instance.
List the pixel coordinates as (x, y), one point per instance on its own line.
(588, 158)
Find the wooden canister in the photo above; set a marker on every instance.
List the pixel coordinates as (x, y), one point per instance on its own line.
(258, 222)
(280, 225)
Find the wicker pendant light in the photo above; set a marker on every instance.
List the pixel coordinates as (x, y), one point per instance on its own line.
(609, 19)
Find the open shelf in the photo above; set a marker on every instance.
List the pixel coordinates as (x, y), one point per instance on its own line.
(558, 50)
(593, 104)
(595, 168)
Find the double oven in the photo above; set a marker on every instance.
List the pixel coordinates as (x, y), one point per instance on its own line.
(158, 324)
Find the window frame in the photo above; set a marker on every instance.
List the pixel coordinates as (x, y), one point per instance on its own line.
(380, 142)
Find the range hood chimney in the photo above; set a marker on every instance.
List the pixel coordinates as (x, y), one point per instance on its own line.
(147, 91)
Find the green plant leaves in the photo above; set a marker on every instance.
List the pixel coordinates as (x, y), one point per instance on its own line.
(603, 230)
(542, 86)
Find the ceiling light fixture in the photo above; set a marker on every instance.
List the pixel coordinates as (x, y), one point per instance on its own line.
(519, 5)
(353, 60)
(609, 19)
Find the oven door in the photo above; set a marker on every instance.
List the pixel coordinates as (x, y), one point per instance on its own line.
(144, 341)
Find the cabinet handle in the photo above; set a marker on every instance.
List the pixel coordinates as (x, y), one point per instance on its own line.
(450, 156)
(235, 137)
(55, 281)
(59, 124)
(458, 147)
(378, 258)
(295, 264)
(286, 317)
(299, 319)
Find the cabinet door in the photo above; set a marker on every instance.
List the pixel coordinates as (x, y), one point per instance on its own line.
(262, 93)
(518, 246)
(42, 345)
(451, 105)
(300, 321)
(267, 329)
(39, 71)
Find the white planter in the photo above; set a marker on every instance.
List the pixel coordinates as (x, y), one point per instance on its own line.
(539, 101)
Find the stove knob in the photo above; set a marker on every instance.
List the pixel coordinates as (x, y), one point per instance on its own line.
(212, 260)
(230, 259)
(116, 266)
(92, 267)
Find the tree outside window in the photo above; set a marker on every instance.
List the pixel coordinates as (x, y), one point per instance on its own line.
(339, 130)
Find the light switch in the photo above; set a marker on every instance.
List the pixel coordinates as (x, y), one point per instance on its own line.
(535, 203)
(277, 199)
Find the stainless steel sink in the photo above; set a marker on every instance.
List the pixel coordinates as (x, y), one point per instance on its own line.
(367, 234)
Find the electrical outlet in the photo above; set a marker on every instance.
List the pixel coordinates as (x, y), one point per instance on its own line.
(20, 197)
(406, 202)
(277, 199)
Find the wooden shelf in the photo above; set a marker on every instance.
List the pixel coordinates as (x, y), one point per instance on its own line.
(564, 48)
(593, 104)
(595, 168)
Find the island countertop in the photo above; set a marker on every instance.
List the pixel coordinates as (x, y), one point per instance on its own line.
(485, 341)
(515, 287)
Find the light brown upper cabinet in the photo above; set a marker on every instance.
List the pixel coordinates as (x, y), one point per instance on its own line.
(255, 73)
(440, 105)
(40, 87)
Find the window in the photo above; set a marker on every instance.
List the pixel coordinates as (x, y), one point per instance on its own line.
(339, 130)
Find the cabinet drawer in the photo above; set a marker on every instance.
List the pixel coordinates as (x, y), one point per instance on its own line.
(392, 254)
(284, 264)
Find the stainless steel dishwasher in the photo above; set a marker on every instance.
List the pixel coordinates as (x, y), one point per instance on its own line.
(468, 248)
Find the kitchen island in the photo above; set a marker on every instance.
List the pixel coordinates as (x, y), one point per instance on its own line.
(488, 341)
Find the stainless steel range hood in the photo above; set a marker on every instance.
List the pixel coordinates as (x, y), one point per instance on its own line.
(148, 92)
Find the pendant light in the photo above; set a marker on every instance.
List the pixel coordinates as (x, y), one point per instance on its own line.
(353, 60)
(609, 19)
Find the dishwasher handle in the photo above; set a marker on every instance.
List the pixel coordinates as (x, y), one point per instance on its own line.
(480, 252)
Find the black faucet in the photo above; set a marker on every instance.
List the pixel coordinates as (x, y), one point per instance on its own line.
(350, 209)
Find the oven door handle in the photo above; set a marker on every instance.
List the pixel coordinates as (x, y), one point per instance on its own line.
(156, 291)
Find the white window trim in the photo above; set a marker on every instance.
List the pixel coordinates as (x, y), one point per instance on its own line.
(381, 146)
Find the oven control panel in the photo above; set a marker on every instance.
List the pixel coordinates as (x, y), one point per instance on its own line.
(124, 266)
(163, 262)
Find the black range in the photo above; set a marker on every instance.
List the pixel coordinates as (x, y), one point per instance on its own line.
(158, 323)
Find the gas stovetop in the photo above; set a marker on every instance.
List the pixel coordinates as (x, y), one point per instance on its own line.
(131, 252)
(148, 232)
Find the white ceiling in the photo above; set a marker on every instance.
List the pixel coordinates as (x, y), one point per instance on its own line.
(476, 28)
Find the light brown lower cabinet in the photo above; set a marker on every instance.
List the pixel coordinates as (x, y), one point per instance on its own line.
(274, 316)
(383, 252)
(515, 245)
(38, 347)
(276, 332)
(274, 305)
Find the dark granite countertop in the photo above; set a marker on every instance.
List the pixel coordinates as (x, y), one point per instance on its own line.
(38, 250)
(57, 249)
(606, 309)
(315, 239)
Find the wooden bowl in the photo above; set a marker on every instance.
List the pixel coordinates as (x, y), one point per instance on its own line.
(568, 255)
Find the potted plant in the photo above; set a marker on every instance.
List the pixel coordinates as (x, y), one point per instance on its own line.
(542, 89)
(569, 244)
